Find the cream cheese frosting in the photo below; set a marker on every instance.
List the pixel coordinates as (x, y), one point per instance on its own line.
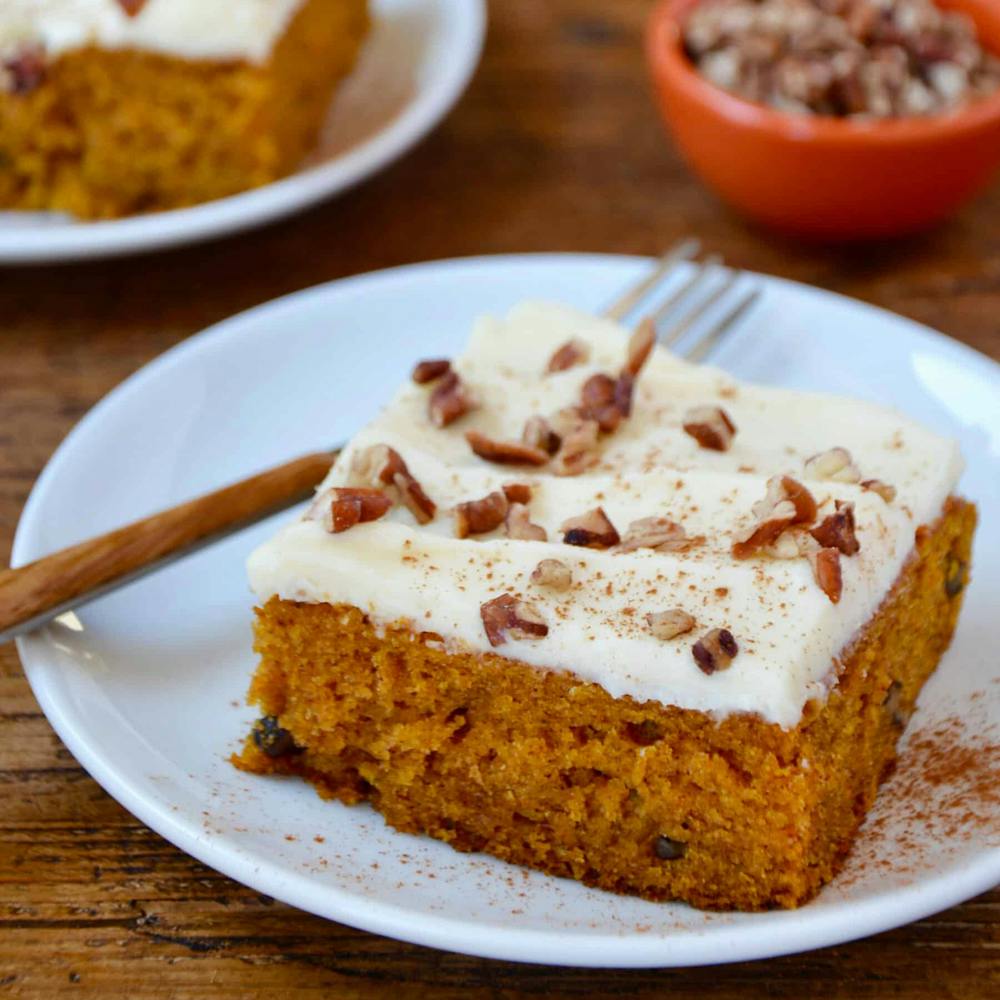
(191, 29)
(789, 633)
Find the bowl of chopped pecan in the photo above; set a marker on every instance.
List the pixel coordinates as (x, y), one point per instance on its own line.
(833, 119)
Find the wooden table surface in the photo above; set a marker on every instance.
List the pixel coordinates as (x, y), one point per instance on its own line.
(556, 146)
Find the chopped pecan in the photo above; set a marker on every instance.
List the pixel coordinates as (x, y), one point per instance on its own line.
(380, 465)
(836, 531)
(552, 573)
(592, 530)
(801, 498)
(884, 490)
(791, 544)
(670, 624)
(710, 426)
(765, 530)
(538, 433)
(846, 58)
(658, 533)
(835, 465)
(343, 507)
(715, 650)
(825, 565)
(429, 370)
(597, 402)
(505, 616)
(565, 420)
(573, 352)
(475, 517)
(624, 390)
(132, 7)
(787, 503)
(517, 492)
(450, 400)
(519, 526)
(505, 452)
(579, 450)
(23, 70)
(640, 346)
(412, 494)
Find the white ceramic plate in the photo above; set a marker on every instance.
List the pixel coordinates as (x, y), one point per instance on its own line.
(145, 687)
(415, 64)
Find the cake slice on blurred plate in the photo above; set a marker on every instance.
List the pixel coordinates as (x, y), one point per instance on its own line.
(112, 107)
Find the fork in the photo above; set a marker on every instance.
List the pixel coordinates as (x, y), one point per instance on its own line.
(35, 594)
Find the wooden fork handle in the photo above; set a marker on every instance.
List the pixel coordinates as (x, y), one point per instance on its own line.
(64, 576)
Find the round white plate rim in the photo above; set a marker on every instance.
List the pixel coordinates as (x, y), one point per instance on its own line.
(714, 945)
(248, 209)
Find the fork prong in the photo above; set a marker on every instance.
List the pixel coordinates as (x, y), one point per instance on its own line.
(718, 331)
(684, 250)
(703, 269)
(685, 323)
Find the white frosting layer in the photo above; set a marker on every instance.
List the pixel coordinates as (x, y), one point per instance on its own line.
(788, 631)
(192, 29)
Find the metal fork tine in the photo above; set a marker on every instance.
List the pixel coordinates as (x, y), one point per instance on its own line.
(715, 334)
(685, 323)
(684, 250)
(704, 269)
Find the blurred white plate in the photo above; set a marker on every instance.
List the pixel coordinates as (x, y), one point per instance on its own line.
(146, 686)
(414, 66)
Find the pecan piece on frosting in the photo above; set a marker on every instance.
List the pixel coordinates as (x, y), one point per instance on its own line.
(573, 352)
(505, 616)
(825, 563)
(640, 346)
(429, 370)
(24, 69)
(538, 433)
(132, 7)
(342, 507)
(598, 402)
(710, 426)
(884, 490)
(517, 492)
(658, 533)
(834, 465)
(552, 573)
(505, 452)
(380, 465)
(670, 624)
(624, 390)
(450, 400)
(715, 650)
(836, 531)
(579, 450)
(787, 503)
(475, 517)
(518, 525)
(592, 530)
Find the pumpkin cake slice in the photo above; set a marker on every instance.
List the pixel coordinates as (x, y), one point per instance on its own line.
(113, 107)
(583, 606)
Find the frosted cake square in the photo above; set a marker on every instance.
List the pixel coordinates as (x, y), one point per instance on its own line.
(578, 604)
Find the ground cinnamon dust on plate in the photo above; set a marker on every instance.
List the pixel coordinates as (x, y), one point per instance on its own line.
(942, 799)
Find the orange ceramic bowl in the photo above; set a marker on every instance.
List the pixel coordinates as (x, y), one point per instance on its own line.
(826, 177)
